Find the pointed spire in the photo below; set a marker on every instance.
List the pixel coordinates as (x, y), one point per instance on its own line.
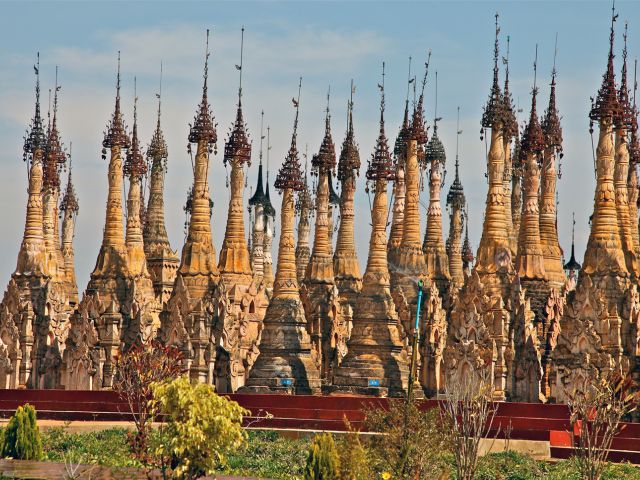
(634, 143)
(289, 175)
(268, 207)
(572, 264)
(551, 123)
(467, 253)
(455, 197)
(326, 158)
(418, 129)
(135, 164)
(69, 200)
(532, 138)
(158, 147)
(381, 164)
(204, 128)
(494, 109)
(36, 137)
(258, 197)
(626, 111)
(349, 163)
(434, 151)
(116, 134)
(403, 134)
(606, 103)
(238, 146)
(510, 122)
(54, 156)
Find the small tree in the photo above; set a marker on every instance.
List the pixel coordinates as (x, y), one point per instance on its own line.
(596, 413)
(323, 462)
(199, 427)
(21, 439)
(412, 443)
(354, 464)
(144, 364)
(468, 413)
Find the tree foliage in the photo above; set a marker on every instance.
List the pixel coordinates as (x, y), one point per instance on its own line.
(354, 462)
(21, 439)
(323, 462)
(412, 443)
(596, 413)
(137, 369)
(198, 427)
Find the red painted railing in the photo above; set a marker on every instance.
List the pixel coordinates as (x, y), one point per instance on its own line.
(525, 421)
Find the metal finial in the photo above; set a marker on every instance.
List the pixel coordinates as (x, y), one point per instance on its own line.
(159, 95)
(118, 79)
(458, 132)
(239, 67)
(535, 71)
(635, 81)
(496, 49)
(409, 81)
(135, 101)
(426, 72)
(382, 94)
(261, 134)
(555, 55)
(296, 104)
(269, 147)
(55, 97)
(206, 61)
(435, 109)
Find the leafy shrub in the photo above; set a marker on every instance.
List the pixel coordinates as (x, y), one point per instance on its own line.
(413, 442)
(21, 438)
(323, 462)
(137, 369)
(354, 464)
(198, 429)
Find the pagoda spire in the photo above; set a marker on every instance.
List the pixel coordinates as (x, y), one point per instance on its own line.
(286, 362)
(345, 258)
(634, 158)
(69, 208)
(162, 260)
(257, 203)
(621, 170)
(319, 278)
(399, 193)
(572, 266)
(32, 255)
(510, 131)
(198, 254)
(375, 349)
(304, 208)
(135, 167)
(493, 252)
(433, 246)
(467, 252)
(269, 232)
(456, 202)
(529, 260)
(552, 131)
(234, 263)
(54, 159)
(604, 254)
(411, 264)
(112, 259)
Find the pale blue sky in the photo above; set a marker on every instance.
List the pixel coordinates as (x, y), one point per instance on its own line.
(326, 43)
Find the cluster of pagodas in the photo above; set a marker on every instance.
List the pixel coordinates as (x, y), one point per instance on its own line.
(423, 312)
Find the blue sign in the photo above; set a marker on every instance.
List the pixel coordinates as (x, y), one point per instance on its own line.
(287, 382)
(374, 382)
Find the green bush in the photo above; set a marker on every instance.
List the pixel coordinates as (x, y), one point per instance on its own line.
(199, 428)
(354, 464)
(323, 462)
(21, 439)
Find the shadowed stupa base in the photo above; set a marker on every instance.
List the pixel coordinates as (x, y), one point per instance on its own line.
(285, 363)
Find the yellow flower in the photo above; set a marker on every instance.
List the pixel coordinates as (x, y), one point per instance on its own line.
(386, 476)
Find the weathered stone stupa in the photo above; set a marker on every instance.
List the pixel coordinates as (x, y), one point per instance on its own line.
(376, 362)
(319, 292)
(162, 261)
(287, 362)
